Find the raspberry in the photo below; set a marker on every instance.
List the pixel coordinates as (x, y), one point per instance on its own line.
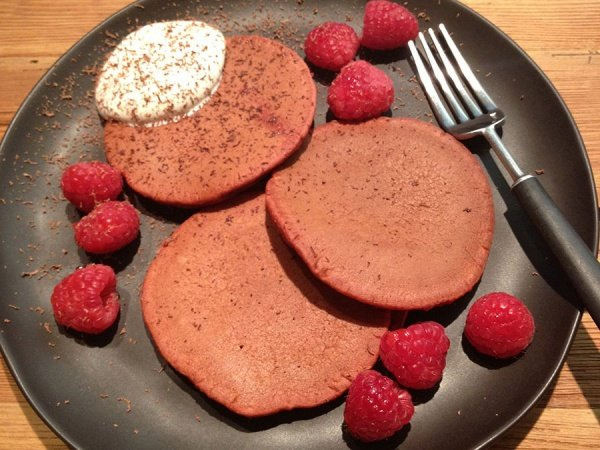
(376, 407)
(87, 300)
(110, 226)
(331, 45)
(360, 91)
(387, 25)
(416, 355)
(86, 183)
(499, 325)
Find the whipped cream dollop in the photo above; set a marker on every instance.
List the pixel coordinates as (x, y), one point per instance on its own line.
(161, 72)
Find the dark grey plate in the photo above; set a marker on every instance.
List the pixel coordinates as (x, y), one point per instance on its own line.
(114, 391)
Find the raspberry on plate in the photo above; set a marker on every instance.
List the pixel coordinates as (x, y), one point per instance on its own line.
(87, 300)
(331, 45)
(87, 183)
(387, 25)
(499, 325)
(376, 407)
(360, 91)
(110, 226)
(416, 355)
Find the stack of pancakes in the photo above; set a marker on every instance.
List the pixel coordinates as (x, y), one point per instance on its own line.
(274, 301)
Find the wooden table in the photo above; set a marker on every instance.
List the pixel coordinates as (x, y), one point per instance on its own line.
(563, 38)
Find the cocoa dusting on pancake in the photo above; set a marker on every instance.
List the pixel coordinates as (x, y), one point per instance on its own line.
(260, 114)
(392, 212)
(231, 307)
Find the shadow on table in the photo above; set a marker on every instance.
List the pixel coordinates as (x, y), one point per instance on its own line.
(584, 363)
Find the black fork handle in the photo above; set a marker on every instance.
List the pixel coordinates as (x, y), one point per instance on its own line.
(577, 260)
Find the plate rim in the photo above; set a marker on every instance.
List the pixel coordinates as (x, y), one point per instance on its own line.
(64, 435)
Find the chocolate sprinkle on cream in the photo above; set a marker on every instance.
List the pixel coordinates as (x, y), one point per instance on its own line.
(162, 72)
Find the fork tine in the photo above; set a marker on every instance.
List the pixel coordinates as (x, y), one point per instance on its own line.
(445, 119)
(456, 81)
(451, 99)
(478, 90)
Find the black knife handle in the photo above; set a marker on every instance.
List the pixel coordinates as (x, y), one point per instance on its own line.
(577, 260)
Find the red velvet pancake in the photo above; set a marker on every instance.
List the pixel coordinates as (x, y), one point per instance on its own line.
(260, 114)
(230, 306)
(392, 212)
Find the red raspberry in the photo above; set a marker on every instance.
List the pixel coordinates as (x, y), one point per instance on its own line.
(416, 355)
(499, 325)
(376, 407)
(110, 226)
(331, 45)
(87, 300)
(360, 91)
(387, 25)
(86, 183)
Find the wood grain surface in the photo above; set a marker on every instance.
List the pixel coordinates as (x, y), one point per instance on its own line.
(561, 36)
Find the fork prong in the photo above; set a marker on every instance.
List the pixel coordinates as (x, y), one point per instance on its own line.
(451, 99)
(445, 119)
(454, 77)
(467, 73)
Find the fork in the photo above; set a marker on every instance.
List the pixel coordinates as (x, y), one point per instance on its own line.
(464, 109)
